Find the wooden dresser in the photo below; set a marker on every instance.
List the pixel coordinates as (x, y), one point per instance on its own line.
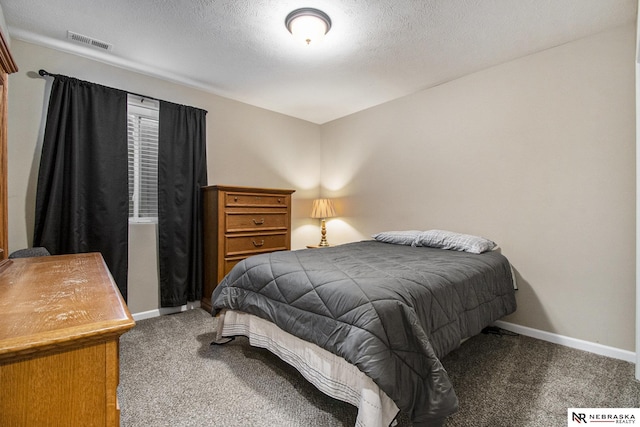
(240, 222)
(60, 322)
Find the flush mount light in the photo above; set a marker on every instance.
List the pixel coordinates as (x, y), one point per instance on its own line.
(308, 24)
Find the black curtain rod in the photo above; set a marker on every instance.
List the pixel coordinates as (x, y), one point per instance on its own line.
(44, 73)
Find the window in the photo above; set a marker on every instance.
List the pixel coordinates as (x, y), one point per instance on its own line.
(142, 126)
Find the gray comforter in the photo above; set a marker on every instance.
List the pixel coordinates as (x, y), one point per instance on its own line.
(390, 310)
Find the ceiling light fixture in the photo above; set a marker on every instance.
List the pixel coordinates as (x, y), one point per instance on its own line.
(308, 24)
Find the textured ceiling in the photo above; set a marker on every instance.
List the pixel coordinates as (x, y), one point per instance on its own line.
(376, 51)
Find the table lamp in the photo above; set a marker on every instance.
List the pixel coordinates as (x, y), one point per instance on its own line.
(323, 209)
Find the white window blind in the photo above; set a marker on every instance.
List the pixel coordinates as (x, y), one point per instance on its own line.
(142, 126)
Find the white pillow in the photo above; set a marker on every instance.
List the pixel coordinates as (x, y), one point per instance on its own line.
(455, 241)
(407, 237)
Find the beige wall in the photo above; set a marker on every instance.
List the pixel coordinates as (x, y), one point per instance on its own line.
(537, 154)
(246, 146)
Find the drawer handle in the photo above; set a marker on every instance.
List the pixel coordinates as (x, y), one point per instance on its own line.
(257, 245)
(256, 222)
(235, 199)
(279, 200)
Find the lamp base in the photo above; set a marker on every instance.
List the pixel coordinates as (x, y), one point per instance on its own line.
(323, 230)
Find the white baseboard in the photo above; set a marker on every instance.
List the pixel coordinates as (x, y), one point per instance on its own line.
(591, 347)
(166, 310)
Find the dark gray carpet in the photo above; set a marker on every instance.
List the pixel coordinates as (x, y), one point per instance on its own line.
(170, 376)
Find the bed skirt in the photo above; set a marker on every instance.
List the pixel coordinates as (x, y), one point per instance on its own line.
(331, 374)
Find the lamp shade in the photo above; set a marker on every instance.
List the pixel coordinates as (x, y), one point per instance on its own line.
(323, 208)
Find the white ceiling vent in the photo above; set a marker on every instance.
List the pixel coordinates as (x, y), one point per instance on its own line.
(89, 41)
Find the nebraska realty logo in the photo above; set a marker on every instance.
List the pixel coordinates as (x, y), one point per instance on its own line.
(580, 416)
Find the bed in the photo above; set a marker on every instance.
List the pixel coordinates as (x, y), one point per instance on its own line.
(367, 322)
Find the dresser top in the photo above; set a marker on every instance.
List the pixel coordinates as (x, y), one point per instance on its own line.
(57, 301)
(247, 189)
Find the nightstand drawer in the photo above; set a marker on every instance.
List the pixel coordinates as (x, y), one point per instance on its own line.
(255, 243)
(255, 200)
(258, 220)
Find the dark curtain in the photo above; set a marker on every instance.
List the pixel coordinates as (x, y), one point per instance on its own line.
(82, 195)
(182, 171)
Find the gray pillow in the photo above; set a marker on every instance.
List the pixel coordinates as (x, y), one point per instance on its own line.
(455, 241)
(407, 237)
